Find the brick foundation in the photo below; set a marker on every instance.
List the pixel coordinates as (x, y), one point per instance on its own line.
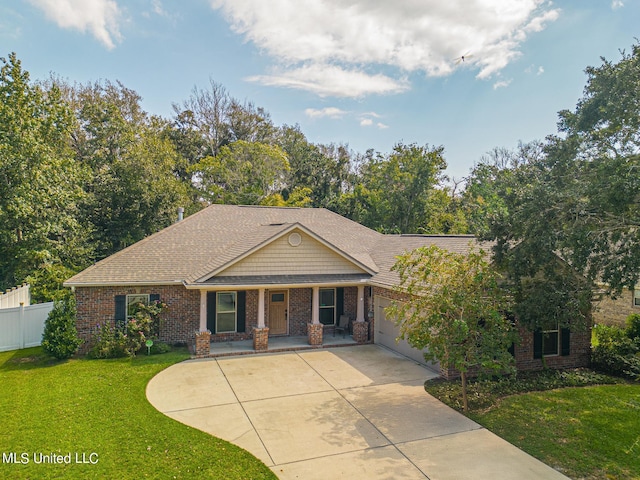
(314, 331)
(361, 332)
(261, 339)
(203, 343)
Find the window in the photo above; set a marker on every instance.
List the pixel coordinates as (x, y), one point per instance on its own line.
(328, 306)
(636, 296)
(551, 341)
(226, 312)
(133, 300)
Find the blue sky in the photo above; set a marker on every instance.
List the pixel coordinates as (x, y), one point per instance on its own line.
(369, 73)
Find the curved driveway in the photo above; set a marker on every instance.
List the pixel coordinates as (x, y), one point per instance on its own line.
(349, 412)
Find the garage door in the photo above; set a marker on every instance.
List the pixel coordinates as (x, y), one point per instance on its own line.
(387, 332)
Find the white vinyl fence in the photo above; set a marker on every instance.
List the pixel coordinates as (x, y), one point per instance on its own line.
(15, 297)
(22, 327)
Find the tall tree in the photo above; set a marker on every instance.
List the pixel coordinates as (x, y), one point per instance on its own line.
(395, 189)
(243, 173)
(208, 112)
(455, 310)
(134, 190)
(579, 196)
(40, 184)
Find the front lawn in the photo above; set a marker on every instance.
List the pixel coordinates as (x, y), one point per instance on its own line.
(88, 410)
(586, 432)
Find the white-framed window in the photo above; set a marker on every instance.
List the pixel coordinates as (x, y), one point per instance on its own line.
(328, 306)
(551, 341)
(133, 300)
(636, 296)
(226, 312)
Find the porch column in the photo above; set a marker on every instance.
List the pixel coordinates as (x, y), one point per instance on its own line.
(360, 327)
(315, 306)
(261, 308)
(203, 336)
(314, 329)
(260, 332)
(360, 307)
(203, 310)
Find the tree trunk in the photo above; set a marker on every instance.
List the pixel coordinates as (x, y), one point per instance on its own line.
(465, 400)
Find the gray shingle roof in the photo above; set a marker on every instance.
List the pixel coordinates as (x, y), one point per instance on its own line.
(206, 241)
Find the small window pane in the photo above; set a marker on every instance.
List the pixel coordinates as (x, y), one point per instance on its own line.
(327, 316)
(636, 297)
(327, 297)
(226, 302)
(133, 301)
(277, 297)
(226, 322)
(550, 343)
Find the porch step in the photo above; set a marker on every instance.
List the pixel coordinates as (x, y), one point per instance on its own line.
(276, 344)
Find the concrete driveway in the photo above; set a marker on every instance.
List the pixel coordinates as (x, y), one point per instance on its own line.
(350, 412)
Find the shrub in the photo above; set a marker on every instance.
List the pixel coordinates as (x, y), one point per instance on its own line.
(633, 326)
(109, 342)
(160, 347)
(614, 352)
(60, 338)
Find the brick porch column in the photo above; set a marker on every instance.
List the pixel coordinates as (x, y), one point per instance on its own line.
(261, 339)
(203, 343)
(314, 329)
(361, 332)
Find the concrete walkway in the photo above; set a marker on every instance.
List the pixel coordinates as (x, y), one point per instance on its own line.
(349, 412)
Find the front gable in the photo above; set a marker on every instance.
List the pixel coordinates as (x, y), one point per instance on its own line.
(296, 251)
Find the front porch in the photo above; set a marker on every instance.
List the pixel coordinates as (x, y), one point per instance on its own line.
(276, 344)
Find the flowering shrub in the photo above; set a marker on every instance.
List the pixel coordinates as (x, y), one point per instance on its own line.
(109, 342)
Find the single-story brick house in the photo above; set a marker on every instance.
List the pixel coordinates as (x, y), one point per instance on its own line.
(249, 272)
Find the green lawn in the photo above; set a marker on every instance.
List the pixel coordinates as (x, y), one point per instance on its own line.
(586, 432)
(99, 407)
(569, 420)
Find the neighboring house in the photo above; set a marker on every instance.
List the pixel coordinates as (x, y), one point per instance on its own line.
(248, 272)
(610, 311)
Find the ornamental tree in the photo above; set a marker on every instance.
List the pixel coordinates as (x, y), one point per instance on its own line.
(456, 311)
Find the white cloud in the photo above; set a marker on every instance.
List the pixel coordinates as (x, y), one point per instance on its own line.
(377, 42)
(332, 80)
(366, 120)
(615, 4)
(502, 84)
(331, 112)
(100, 17)
(530, 69)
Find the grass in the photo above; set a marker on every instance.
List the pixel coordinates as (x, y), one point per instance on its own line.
(85, 406)
(565, 419)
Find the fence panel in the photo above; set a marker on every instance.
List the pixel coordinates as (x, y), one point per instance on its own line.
(16, 296)
(22, 327)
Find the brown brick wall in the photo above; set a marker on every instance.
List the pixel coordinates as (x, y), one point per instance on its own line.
(96, 305)
(580, 353)
(614, 312)
(299, 310)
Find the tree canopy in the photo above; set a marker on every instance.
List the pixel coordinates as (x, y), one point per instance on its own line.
(456, 310)
(85, 171)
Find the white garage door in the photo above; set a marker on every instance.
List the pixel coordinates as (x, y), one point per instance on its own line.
(387, 332)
